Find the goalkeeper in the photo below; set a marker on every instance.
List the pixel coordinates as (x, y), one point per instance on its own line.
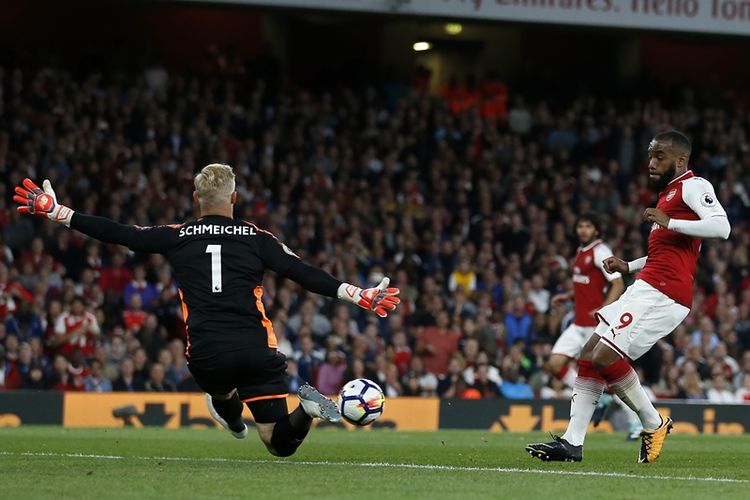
(219, 264)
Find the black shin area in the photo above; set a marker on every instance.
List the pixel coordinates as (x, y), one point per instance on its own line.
(230, 410)
(288, 433)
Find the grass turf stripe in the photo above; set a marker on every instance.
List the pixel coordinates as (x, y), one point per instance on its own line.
(428, 467)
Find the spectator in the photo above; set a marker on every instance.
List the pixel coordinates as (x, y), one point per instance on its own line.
(482, 383)
(10, 291)
(538, 296)
(96, 381)
(9, 377)
(401, 352)
(743, 393)
(307, 359)
(705, 336)
(517, 322)
(179, 361)
(719, 390)
(691, 386)
(23, 363)
(392, 385)
(295, 381)
(437, 344)
(166, 359)
(156, 381)
(513, 387)
(116, 349)
(115, 277)
(63, 377)
(427, 382)
(109, 369)
(141, 364)
(448, 384)
(76, 329)
(331, 374)
(463, 277)
(493, 374)
(318, 324)
(555, 390)
(127, 381)
(134, 316)
(139, 286)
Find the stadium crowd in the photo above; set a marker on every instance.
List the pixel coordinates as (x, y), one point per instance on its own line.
(470, 214)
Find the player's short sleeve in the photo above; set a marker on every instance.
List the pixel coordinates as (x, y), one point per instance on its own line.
(60, 327)
(699, 195)
(93, 324)
(275, 255)
(601, 252)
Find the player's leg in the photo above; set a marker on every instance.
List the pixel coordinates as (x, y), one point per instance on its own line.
(587, 389)
(222, 400)
(618, 373)
(635, 427)
(567, 347)
(642, 322)
(264, 389)
(283, 432)
(227, 410)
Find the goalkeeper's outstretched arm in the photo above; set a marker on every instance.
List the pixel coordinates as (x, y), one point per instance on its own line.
(279, 258)
(35, 201)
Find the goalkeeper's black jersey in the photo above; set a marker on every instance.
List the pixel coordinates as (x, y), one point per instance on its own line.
(218, 264)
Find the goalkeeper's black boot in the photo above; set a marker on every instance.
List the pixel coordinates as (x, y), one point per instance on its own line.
(558, 450)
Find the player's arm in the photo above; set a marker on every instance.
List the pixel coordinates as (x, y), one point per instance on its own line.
(614, 264)
(279, 258)
(699, 195)
(616, 285)
(559, 298)
(152, 239)
(35, 201)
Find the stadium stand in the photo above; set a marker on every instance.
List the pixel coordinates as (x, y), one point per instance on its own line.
(470, 212)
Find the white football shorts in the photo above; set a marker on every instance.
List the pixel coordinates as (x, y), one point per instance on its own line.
(572, 339)
(642, 315)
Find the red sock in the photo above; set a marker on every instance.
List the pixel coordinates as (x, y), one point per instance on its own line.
(616, 371)
(623, 379)
(586, 370)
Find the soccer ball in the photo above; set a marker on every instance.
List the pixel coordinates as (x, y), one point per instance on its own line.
(361, 401)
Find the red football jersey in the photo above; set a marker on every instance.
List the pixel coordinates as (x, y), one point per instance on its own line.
(672, 256)
(590, 281)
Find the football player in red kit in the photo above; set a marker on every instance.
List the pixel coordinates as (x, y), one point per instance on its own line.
(687, 211)
(593, 288)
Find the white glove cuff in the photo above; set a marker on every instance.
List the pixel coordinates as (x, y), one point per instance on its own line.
(349, 292)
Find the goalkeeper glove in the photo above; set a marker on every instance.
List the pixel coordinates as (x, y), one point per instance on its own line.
(380, 299)
(43, 203)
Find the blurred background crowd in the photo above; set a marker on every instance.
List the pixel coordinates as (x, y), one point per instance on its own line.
(466, 197)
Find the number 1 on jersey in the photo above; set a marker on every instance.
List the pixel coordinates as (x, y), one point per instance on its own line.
(215, 251)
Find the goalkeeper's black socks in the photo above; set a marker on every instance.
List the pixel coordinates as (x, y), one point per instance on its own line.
(300, 420)
(289, 432)
(231, 411)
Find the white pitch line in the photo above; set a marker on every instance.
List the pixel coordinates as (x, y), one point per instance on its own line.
(502, 470)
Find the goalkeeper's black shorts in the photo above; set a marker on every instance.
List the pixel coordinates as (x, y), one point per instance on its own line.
(259, 375)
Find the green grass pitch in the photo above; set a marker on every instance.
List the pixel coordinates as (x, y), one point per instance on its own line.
(50, 462)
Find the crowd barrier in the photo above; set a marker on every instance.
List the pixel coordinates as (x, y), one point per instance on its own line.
(175, 410)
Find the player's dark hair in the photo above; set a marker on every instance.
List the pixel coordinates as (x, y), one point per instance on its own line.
(592, 219)
(678, 139)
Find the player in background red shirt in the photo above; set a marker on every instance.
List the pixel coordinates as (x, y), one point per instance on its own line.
(687, 210)
(593, 288)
